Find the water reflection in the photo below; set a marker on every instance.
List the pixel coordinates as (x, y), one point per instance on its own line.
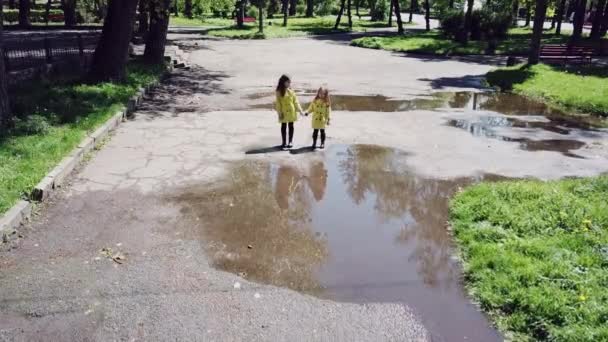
(353, 226)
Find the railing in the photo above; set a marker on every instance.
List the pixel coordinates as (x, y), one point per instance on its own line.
(36, 52)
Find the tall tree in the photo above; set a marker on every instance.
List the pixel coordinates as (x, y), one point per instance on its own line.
(451, 4)
(156, 39)
(5, 110)
(412, 8)
(528, 13)
(560, 16)
(427, 14)
(285, 12)
(540, 14)
(579, 19)
(188, 8)
(69, 12)
(390, 14)
(293, 5)
(110, 58)
(598, 19)
(11, 4)
(357, 5)
(24, 13)
(340, 12)
(397, 8)
(47, 12)
(144, 18)
(260, 4)
(514, 11)
(349, 14)
(468, 20)
(240, 13)
(604, 27)
(310, 8)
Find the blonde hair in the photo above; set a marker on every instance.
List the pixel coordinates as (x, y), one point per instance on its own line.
(327, 99)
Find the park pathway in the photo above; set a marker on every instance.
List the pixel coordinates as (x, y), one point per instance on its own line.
(124, 253)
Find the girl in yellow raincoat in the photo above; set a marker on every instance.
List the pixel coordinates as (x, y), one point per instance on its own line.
(286, 106)
(320, 109)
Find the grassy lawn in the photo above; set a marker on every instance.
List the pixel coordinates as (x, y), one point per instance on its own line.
(297, 26)
(433, 42)
(52, 120)
(536, 256)
(582, 89)
(199, 22)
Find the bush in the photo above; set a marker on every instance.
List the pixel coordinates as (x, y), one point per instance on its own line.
(327, 8)
(33, 124)
(495, 25)
(452, 23)
(381, 10)
(301, 9)
(252, 12)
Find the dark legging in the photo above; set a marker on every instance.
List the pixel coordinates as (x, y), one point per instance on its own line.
(315, 134)
(284, 132)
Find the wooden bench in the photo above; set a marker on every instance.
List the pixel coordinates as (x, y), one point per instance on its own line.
(56, 17)
(246, 20)
(563, 53)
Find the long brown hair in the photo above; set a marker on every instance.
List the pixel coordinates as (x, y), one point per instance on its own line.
(327, 99)
(282, 87)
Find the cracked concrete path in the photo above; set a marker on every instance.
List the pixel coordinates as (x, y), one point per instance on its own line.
(57, 285)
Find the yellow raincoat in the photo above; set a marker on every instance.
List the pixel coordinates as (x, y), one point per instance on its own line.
(287, 107)
(320, 114)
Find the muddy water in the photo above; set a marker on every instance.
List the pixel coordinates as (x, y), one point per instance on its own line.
(351, 224)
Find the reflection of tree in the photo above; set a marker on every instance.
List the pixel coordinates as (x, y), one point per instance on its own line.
(372, 171)
(317, 180)
(245, 212)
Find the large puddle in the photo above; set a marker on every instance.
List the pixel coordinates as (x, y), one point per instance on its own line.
(504, 116)
(352, 224)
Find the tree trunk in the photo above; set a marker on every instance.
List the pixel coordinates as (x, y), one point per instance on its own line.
(468, 20)
(154, 52)
(240, 13)
(537, 31)
(451, 5)
(5, 109)
(342, 4)
(69, 12)
(528, 14)
(310, 8)
(144, 18)
(47, 10)
(397, 7)
(24, 13)
(412, 7)
(293, 4)
(188, 8)
(514, 11)
(261, 18)
(598, 20)
(560, 17)
(175, 9)
(348, 12)
(390, 14)
(285, 11)
(579, 20)
(427, 14)
(604, 27)
(357, 4)
(11, 4)
(112, 52)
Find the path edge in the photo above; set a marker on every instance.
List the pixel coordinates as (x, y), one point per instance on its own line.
(20, 213)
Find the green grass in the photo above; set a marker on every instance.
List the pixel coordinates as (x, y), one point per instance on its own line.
(433, 42)
(536, 256)
(52, 119)
(583, 89)
(199, 22)
(297, 26)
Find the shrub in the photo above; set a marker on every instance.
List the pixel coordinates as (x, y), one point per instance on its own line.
(301, 9)
(33, 124)
(252, 12)
(36, 16)
(495, 25)
(452, 23)
(381, 10)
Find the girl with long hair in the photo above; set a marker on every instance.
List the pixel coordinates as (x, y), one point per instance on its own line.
(287, 107)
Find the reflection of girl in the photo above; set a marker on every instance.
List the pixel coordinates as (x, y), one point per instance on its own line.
(287, 179)
(286, 106)
(320, 109)
(317, 180)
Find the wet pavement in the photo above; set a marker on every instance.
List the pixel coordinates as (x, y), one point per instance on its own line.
(352, 225)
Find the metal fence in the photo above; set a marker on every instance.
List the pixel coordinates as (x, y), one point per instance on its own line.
(36, 52)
